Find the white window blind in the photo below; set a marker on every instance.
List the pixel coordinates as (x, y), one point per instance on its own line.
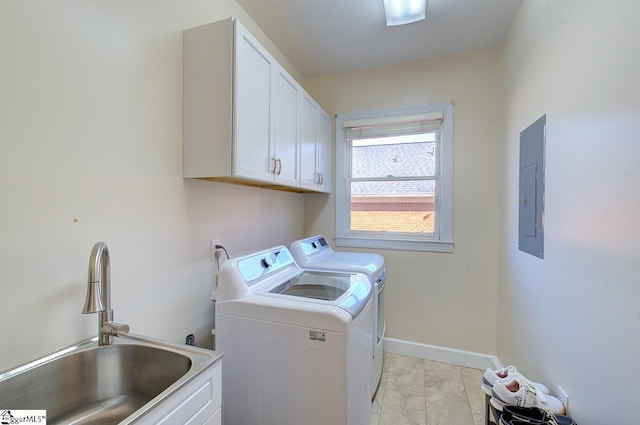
(369, 128)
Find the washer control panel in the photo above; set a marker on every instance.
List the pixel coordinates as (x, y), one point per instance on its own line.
(264, 263)
(314, 244)
(269, 259)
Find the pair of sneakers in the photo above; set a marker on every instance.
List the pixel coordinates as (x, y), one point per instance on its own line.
(508, 387)
(513, 415)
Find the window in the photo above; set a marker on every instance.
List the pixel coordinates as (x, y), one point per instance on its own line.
(394, 178)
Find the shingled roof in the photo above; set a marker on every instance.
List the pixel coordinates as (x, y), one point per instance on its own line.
(398, 160)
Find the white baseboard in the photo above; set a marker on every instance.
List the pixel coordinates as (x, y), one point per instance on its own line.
(441, 354)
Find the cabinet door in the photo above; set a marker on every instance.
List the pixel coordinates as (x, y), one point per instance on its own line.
(254, 69)
(285, 147)
(323, 145)
(309, 177)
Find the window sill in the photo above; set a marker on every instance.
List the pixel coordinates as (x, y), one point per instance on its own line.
(394, 243)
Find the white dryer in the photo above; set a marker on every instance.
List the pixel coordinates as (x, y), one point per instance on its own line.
(316, 253)
(293, 342)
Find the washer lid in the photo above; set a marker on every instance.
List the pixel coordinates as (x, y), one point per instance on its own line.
(349, 291)
(316, 253)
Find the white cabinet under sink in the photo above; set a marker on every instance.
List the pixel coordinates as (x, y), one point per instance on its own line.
(198, 402)
(243, 115)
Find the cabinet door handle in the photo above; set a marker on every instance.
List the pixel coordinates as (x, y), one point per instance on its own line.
(320, 178)
(279, 166)
(275, 165)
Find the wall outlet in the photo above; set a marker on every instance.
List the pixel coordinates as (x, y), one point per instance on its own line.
(212, 248)
(563, 397)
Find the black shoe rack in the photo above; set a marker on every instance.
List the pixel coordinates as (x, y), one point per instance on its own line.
(491, 415)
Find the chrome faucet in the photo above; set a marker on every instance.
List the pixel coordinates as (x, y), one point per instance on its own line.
(99, 294)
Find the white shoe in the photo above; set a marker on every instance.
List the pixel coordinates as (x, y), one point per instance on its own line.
(491, 376)
(518, 392)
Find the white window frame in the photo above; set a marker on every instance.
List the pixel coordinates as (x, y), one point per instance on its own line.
(442, 239)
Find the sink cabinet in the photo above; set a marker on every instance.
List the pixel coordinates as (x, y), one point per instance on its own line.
(198, 402)
(243, 114)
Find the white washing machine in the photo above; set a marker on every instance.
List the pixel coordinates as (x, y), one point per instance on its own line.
(293, 342)
(316, 253)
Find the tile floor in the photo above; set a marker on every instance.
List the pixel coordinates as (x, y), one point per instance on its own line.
(422, 392)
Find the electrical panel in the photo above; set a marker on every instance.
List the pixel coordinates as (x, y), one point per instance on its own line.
(531, 195)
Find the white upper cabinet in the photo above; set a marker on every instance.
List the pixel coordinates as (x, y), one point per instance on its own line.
(244, 114)
(309, 177)
(254, 71)
(284, 153)
(324, 150)
(315, 146)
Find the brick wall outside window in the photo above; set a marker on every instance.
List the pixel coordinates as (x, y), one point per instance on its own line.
(393, 215)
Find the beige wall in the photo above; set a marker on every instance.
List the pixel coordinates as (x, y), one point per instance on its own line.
(573, 319)
(434, 298)
(91, 128)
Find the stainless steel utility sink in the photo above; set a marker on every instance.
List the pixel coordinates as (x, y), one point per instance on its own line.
(90, 384)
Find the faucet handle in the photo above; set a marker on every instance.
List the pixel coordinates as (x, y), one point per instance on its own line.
(114, 329)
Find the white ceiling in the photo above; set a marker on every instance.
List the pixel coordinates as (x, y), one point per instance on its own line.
(327, 36)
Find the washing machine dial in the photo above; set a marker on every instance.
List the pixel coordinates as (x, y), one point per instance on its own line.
(268, 261)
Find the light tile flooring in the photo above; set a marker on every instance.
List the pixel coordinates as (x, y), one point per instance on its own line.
(422, 392)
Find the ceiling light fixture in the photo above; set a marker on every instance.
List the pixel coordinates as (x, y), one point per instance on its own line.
(400, 12)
